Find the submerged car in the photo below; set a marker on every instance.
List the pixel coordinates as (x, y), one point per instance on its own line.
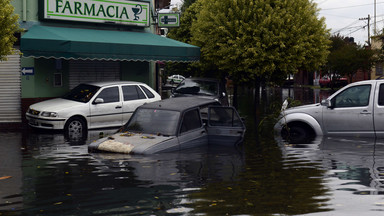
(355, 110)
(175, 124)
(91, 105)
(202, 87)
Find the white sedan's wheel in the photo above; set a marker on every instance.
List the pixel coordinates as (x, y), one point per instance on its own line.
(75, 126)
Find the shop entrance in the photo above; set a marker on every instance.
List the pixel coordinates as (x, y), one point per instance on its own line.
(81, 71)
(10, 90)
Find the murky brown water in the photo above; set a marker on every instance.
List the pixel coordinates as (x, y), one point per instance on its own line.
(46, 174)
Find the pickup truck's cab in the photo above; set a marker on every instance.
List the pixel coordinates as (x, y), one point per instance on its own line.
(355, 110)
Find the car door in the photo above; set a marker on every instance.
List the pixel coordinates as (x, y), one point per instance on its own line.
(106, 108)
(351, 112)
(133, 97)
(192, 132)
(225, 126)
(379, 110)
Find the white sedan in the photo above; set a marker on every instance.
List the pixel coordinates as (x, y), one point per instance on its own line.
(175, 79)
(91, 105)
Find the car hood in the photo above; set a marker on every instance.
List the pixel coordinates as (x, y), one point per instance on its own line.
(54, 105)
(303, 109)
(128, 142)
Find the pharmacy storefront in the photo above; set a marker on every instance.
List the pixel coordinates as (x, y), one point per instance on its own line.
(71, 42)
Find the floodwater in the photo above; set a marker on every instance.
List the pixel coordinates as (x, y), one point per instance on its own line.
(49, 174)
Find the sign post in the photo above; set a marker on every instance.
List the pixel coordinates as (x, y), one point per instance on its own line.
(168, 20)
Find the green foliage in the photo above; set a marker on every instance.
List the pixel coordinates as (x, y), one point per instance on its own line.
(186, 4)
(347, 58)
(183, 34)
(253, 39)
(8, 27)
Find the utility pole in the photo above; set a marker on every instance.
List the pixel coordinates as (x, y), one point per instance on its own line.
(374, 21)
(369, 34)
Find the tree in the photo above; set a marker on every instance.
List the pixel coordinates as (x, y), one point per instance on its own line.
(8, 27)
(183, 33)
(346, 58)
(186, 4)
(254, 40)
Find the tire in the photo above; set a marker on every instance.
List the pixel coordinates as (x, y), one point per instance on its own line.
(75, 127)
(296, 135)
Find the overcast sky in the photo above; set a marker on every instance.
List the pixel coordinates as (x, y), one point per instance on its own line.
(342, 16)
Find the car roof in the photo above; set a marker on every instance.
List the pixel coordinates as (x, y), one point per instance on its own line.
(203, 79)
(109, 83)
(366, 82)
(180, 103)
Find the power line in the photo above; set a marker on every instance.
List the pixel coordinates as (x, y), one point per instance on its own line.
(352, 6)
(356, 21)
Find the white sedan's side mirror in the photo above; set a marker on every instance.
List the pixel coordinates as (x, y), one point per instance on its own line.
(98, 101)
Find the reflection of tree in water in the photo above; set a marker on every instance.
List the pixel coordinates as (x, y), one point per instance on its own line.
(267, 185)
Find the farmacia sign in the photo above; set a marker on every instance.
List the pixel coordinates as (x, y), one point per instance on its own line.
(100, 11)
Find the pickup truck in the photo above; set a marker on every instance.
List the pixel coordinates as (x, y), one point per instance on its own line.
(355, 110)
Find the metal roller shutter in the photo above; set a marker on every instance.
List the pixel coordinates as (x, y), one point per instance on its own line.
(10, 90)
(92, 71)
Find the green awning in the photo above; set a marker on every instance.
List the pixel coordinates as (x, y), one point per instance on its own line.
(93, 44)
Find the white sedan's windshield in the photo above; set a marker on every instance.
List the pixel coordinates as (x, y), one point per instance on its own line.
(153, 121)
(82, 93)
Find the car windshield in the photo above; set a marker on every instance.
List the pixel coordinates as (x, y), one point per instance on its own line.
(198, 87)
(153, 121)
(82, 93)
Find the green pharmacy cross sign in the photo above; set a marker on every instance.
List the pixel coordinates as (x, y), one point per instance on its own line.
(99, 11)
(168, 20)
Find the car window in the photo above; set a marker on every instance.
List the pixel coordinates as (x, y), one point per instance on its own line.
(153, 121)
(224, 116)
(204, 110)
(110, 95)
(354, 96)
(191, 121)
(147, 92)
(381, 95)
(82, 93)
(132, 92)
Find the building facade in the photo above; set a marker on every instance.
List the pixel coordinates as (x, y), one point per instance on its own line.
(68, 42)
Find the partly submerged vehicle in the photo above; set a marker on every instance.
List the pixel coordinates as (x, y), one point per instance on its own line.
(175, 124)
(355, 110)
(202, 87)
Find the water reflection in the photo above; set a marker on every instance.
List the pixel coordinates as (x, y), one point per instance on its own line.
(352, 167)
(53, 174)
(267, 185)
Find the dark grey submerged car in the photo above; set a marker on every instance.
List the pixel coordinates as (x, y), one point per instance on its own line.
(202, 87)
(175, 124)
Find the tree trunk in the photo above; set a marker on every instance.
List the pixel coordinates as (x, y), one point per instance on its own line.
(235, 100)
(257, 104)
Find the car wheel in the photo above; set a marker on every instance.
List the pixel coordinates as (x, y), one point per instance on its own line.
(172, 82)
(75, 127)
(296, 134)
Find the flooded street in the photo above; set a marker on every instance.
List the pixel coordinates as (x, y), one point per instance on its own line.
(49, 174)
